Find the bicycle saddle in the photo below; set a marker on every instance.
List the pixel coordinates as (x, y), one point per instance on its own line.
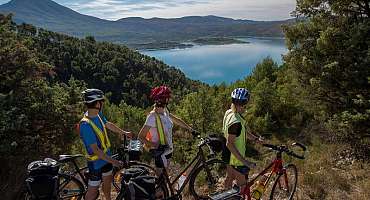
(68, 158)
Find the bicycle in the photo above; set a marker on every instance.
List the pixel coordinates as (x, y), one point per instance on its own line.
(201, 162)
(282, 188)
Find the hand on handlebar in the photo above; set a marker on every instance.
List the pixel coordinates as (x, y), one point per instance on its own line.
(126, 134)
(117, 163)
(260, 140)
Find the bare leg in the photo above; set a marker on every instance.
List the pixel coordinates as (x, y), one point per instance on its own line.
(107, 186)
(92, 193)
(229, 177)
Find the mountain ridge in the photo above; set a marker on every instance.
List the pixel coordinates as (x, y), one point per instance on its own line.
(134, 30)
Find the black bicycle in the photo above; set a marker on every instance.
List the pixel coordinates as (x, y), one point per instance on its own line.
(202, 173)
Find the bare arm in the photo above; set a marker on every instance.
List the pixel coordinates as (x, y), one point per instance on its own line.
(180, 122)
(255, 137)
(252, 136)
(101, 155)
(114, 128)
(142, 136)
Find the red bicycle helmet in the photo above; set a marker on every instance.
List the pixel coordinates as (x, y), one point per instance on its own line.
(160, 93)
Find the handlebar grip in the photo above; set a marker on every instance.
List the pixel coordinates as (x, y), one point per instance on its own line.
(304, 148)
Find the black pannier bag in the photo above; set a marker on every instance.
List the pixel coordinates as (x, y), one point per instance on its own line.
(136, 184)
(140, 188)
(42, 180)
(217, 143)
(133, 172)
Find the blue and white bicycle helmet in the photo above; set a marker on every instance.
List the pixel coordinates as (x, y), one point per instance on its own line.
(240, 95)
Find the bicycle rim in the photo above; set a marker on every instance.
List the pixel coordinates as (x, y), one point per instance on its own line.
(70, 187)
(208, 179)
(285, 184)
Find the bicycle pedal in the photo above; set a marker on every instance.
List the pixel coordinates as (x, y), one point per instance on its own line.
(226, 195)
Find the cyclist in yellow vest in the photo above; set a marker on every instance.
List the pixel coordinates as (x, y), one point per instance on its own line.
(156, 134)
(236, 133)
(93, 132)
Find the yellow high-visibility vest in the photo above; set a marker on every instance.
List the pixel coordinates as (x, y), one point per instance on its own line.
(102, 136)
(231, 118)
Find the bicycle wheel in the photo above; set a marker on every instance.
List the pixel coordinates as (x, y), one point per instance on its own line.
(208, 179)
(285, 184)
(161, 191)
(117, 173)
(70, 187)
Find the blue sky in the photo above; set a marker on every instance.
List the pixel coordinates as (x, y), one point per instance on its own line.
(237, 9)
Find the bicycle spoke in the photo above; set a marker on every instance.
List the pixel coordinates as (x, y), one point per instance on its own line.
(209, 180)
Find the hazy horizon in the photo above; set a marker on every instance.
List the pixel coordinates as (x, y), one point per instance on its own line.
(268, 10)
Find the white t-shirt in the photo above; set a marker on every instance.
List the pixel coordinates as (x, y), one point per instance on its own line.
(167, 127)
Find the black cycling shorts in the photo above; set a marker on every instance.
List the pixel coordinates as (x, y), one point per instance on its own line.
(96, 175)
(242, 169)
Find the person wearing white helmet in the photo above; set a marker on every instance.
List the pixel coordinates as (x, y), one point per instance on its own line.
(236, 133)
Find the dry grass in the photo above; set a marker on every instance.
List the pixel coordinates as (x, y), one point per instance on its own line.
(327, 175)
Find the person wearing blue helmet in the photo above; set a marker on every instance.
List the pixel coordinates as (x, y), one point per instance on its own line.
(236, 133)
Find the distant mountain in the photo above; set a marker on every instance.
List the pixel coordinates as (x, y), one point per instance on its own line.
(134, 30)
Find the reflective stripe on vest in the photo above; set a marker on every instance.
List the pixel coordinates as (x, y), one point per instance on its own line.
(102, 137)
(160, 132)
(240, 142)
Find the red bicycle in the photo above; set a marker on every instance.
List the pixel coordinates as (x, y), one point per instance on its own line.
(283, 177)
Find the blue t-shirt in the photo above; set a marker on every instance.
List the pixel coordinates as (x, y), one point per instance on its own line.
(89, 137)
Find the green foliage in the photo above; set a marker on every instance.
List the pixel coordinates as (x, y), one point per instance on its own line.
(329, 53)
(202, 110)
(38, 115)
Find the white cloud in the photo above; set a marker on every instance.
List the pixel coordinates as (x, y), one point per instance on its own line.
(240, 9)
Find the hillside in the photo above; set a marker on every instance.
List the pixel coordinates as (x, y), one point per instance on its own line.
(134, 30)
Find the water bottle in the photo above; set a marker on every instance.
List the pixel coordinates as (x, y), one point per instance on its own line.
(181, 180)
(260, 188)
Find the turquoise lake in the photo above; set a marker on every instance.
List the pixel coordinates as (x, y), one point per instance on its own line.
(214, 64)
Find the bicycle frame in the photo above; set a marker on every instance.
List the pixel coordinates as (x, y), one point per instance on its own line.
(199, 159)
(78, 170)
(275, 168)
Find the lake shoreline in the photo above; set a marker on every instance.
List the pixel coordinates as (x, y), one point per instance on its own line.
(169, 45)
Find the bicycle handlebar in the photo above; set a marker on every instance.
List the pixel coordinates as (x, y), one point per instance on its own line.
(283, 148)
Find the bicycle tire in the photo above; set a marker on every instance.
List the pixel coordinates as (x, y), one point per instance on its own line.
(69, 187)
(280, 180)
(215, 183)
(161, 185)
(117, 173)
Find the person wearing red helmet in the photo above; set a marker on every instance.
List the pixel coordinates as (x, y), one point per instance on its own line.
(156, 133)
